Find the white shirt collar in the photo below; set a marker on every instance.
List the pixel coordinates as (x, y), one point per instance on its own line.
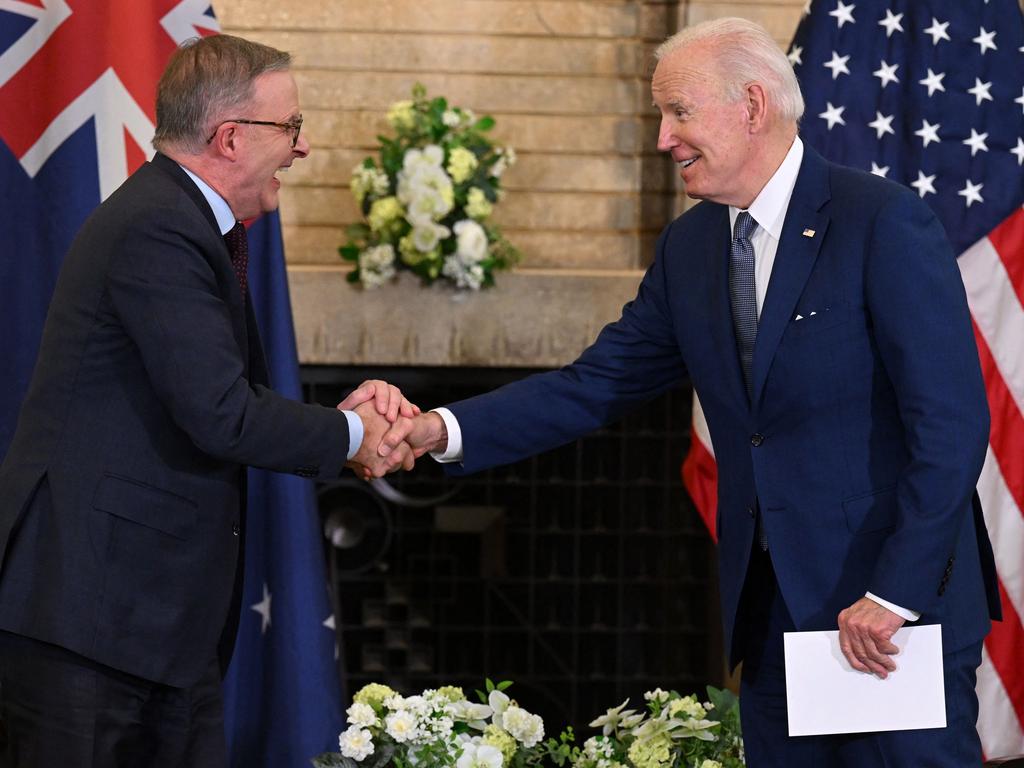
(770, 205)
(221, 209)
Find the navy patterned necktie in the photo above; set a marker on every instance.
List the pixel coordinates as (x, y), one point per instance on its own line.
(741, 292)
(238, 247)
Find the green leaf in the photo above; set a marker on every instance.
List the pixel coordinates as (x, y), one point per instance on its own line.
(349, 252)
(353, 276)
(484, 124)
(333, 760)
(419, 91)
(504, 685)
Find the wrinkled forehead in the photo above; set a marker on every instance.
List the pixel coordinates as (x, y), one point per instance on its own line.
(685, 74)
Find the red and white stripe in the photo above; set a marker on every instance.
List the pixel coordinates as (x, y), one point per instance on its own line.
(993, 274)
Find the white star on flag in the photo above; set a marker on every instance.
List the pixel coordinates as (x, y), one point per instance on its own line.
(882, 124)
(1019, 151)
(838, 65)
(971, 193)
(794, 55)
(933, 82)
(833, 115)
(976, 142)
(937, 30)
(879, 170)
(985, 40)
(980, 91)
(886, 73)
(263, 608)
(1020, 99)
(891, 22)
(843, 13)
(924, 185)
(928, 132)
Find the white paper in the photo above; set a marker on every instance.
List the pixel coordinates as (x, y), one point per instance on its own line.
(826, 695)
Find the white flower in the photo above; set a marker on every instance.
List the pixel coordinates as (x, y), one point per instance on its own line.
(479, 756)
(472, 277)
(471, 241)
(376, 267)
(361, 715)
(470, 713)
(526, 728)
(450, 118)
(710, 764)
(356, 743)
(426, 206)
(431, 156)
(657, 695)
(401, 726)
(506, 159)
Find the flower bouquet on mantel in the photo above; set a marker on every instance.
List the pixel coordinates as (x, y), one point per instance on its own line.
(675, 732)
(440, 728)
(427, 205)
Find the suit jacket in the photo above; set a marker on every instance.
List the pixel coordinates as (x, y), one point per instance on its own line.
(122, 494)
(867, 427)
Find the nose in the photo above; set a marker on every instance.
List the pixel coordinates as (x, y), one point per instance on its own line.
(666, 139)
(301, 148)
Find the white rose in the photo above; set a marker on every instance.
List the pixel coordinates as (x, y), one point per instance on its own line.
(471, 245)
(356, 743)
(361, 715)
(526, 728)
(479, 756)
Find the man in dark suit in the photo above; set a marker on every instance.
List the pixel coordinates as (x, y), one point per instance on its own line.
(122, 494)
(820, 315)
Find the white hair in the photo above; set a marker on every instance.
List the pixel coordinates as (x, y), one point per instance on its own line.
(745, 53)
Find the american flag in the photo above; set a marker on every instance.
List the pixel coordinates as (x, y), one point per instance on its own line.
(77, 110)
(930, 93)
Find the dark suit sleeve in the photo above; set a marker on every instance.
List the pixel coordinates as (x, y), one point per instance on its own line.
(165, 294)
(923, 333)
(633, 360)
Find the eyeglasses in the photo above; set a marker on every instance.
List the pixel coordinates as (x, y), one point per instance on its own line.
(294, 127)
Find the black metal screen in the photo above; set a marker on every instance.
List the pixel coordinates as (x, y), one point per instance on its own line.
(583, 574)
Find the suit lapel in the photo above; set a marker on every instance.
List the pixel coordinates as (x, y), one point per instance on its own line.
(794, 260)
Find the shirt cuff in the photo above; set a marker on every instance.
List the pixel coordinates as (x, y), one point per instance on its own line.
(903, 613)
(453, 453)
(355, 433)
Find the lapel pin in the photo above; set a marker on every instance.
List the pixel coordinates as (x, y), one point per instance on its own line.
(808, 233)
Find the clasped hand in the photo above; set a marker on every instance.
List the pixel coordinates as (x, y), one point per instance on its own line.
(395, 433)
(865, 637)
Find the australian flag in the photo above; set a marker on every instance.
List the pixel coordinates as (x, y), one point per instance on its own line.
(930, 93)
(77, 110)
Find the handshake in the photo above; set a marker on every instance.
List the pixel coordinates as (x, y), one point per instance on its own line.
(395, 432)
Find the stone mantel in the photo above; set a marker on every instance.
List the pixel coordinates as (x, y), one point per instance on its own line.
(531, 318)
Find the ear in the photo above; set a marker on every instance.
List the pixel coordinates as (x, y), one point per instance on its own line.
(757, 107)
(225, 140)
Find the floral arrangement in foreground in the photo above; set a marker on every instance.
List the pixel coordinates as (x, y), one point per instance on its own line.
(440, 728)
(426, 205)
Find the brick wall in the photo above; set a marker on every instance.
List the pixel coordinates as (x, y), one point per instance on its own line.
(568, 83)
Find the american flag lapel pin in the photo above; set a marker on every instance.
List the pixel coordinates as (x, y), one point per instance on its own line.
(808, 233)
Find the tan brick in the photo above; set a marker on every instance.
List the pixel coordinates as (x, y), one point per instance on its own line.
(406, 52)
(530, 319)
(505, 17)
(322, 89)
(780, 18)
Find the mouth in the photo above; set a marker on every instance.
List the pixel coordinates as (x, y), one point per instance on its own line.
(684, 164)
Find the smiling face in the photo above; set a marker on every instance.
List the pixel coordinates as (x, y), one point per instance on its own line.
(712, 139)
(263, 151)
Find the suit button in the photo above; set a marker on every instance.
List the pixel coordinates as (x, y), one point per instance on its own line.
(756, 439)
(751, 512)
(236, 529)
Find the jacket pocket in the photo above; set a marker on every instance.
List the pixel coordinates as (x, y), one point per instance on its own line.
(875, 511)
(146, 505)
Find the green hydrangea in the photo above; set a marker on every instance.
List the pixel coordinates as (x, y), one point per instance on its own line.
(374, 695)
(500, 739)
(451, 693)
(655, 752)
(461, 164)
(383, 212)
(688, 706)
(477, 204)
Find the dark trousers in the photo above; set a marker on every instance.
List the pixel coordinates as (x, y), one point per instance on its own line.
(763, 701)
(61, 709)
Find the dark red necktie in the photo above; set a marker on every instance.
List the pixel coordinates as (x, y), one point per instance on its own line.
(238, 248)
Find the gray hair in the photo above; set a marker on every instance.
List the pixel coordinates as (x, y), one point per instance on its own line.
(745, 53)
(205, 79)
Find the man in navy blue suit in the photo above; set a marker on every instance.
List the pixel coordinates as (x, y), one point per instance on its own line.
(820, 315)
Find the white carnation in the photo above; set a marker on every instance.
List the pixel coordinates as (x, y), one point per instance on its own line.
(524, 727)
(402, 726)
(361, 715)
(356, 743)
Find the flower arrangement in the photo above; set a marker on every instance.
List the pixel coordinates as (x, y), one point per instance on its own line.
(426, 205)
(675, 732)
(440, 728)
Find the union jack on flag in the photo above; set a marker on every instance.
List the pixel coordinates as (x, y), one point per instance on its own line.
(930, 93)
(77, 112)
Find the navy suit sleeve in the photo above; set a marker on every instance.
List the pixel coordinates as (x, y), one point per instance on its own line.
(633, 360)
(166, 296)
(922, 328)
